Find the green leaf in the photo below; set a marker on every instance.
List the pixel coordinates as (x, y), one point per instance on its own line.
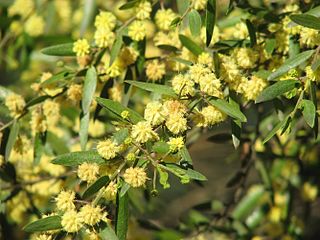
(175, 22)
(194, 23)
(313, 98)
(190, 45)
(210, 20)
(59, 50)
(122, 218)
(276, 90)
(185, 155)
(83, 132)
(36, 100)
(153, 87)
(108, 233)
(161, 147)
(39, 142)
(309, 112)
(44, 224)
(163, 178)
(252, 33)
(95, 187)
(116, 47)
(291, 63)
(89, 89)
(229, 109)
(121, 135)
(270, 45)
(248, 203)
(280, 125)
(183, 6)
(77, 158)
(14, 131)
(57, 77)
(183, 61)
(168, 47)
(306, 20)
(89, 9)
(129, 5)
(124, 189)
(117, 109)
(294, 47)
(192, 174)
(236, 132)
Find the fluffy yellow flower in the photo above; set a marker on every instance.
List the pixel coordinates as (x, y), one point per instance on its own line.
(155, 70)
(128, 55)
(116, 69)
(275, 214)
(107, 149)
(137, 30)
(110, 193)
(74, 92)
(91, 215)
(309, 192)
(173, 107)
(199, 4)
(43, 237)
(115, 93)
(205, 59)
(131, 157)
(176, 123)
(309, 37)
(34, 26)
(163, 18)
(51, 111)
(21, 7)
(15, 103)
(142, 132)
(136, 177)
(81, 47)
(240, 31)
(246, 57)
(183, 85)
(104, 37)
(143, 10)
(252, 88)
(38, 121)
(105, 20)
(210, 85)
(64, 201)
(88, 172)
(176, 144)
(211, 115)
(196, 71)
(16, 27)
(170, 38)
(153, 114)
(71, 221)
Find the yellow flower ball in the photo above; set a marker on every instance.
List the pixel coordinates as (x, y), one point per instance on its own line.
(176, 123)
(152, 113)
(137, 30)
(142, 132)
(34, 26)
(107, 149)
(91, 215)
(176, 144)
(64, 201)
(143, 10)
(183, 85)
(136, 177)
(110, 193)
(105, 20)
(71, 221)
(15, 103)
(74, 92)
(155, 70)
(88, 172)
(81, 47)
(163, 18)
(104, 37)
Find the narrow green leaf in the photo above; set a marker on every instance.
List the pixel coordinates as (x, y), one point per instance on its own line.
(309, 112)
(280, 125)
(175, 22)
(124, 189)
(117, 109)
(89, 8)
(116, 47)
(192, 174)
(44, 224)
(59, 50)
(129, 5)
(190, 45)
(168, 47)
(252, 33)
(194, 22)
(122, 218)
(276, 90)
(57, 77)
(229, 109)
(77, 158)
(294, 47)
(163, 178)
(291, 63)
(185, 155)
(210, 20)
(248, 203)
(236, 133)
(161, 147)
(183, 61)
(313, 98)
(270, 45)
(83, 132)
(14, 131)
(39, 142)
(315, 65)
(108, 233)
(89, 89)
(95, 187)
(306, 20)
(153, 87)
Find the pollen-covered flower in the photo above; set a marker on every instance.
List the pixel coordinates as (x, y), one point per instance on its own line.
(246, 57)
(51, 111)
(88, 172)
(210, 85)
(91, 215)
(309, 192)
(74, 92)
(205, 59)
(38, 121)
(104, 37)
(163, 18)
(155, 70)
(64, 201)
(105, 20)
(196, 71)
(136, 177)
(15, 103)
(309, 37)
(110, 193)
(115, 93)
(183, 85)
(81, 47)
(252, 88)
(142, 132)
(43, 237)
(176, 144)
(152, 113)
(176, 123)
(107, 149)
(34, 26)
(211, 115)
(128, 55)
(21, 7)
(173, 107)
(116, 69)
(71, 221)
(143, 10)
(199, 4)
(137, 30)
